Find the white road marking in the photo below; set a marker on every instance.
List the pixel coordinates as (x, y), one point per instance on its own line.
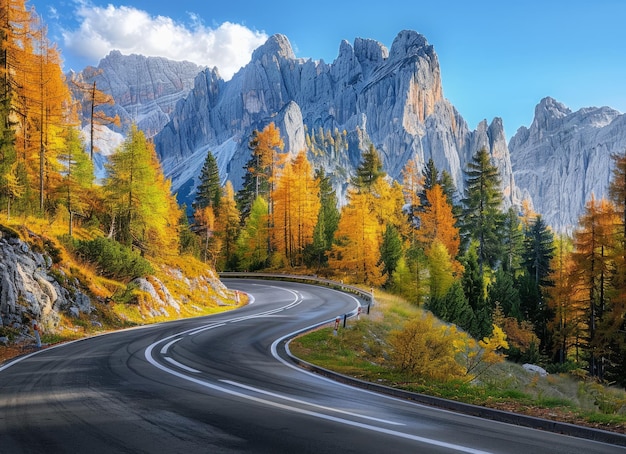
(430, 441)
(290, 399)
(182, 366)
(168, 345)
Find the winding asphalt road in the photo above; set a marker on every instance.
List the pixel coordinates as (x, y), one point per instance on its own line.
(218, 385)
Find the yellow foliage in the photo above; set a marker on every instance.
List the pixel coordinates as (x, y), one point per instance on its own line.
(425, 348)
(477, 357)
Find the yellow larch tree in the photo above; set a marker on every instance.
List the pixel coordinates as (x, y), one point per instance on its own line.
(227, 227)
(438, 223)
(356, 251)
(296, 205)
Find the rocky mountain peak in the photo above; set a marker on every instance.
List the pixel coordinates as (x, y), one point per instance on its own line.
(276, 45)
(565, 157)
(145, 89)
(548, 113)
(409, 43)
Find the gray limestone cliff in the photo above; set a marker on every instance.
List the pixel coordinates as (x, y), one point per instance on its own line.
(392, 99)
(145, 89)
(29, 290)
(565, 157)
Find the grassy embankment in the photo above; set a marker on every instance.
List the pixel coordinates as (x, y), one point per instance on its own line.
(362, 351)
(116, 304)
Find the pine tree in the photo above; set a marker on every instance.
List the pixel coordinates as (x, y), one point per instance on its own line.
(503, 293)
(512, 242)
(209, 189)
(538, 252)
(390, 250)
(327, 222)
(482, 218)
(369, 170)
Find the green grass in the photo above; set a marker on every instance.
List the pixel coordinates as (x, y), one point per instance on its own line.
(361, 351)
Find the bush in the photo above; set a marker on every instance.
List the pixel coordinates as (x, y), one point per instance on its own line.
(112, 259)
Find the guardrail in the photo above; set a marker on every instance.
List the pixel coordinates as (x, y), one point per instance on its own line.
(367, 296)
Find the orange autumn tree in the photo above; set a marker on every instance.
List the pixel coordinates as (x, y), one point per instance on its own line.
(438, 223)
(296, 205)
(35, 87)
(564, 300)
(593, 243)
(356, 251)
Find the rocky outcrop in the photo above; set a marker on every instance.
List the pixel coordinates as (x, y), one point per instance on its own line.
(145, 89)
(565, 157)
(392, 99)
(28, 290)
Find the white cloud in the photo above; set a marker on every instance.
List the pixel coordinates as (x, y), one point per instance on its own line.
(133, 31)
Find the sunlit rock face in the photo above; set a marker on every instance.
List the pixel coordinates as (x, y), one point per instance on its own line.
(392, 99)
(145, 89)
(565, 157)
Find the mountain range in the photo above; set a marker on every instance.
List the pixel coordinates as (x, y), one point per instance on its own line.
(391, 98)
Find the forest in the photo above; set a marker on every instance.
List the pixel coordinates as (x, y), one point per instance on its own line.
(559, 299)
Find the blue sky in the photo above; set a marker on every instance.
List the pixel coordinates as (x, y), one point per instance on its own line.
(498, 58)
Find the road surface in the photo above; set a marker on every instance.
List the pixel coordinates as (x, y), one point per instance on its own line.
(216, 385)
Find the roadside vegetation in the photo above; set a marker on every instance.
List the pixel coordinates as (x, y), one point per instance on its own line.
(368, 350)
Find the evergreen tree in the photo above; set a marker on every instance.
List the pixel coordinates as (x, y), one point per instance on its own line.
(209, 190)
(431, 174)
(482, 219)
(503, 293)
(369, 170)
(327, 222)
(390, 250)
(473, 288)
(538, 252)
(512, 242)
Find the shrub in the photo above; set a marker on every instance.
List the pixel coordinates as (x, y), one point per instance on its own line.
(112, 259)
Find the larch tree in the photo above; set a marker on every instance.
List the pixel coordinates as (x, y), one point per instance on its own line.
(356, 249)
(252, 241)
(204, 221)
(441, 270)
(564, 299)
(615, 322)
(593, 242)
(438, 223)
(227, 228)
(141, 205)
(92, 101)
(78, 176)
